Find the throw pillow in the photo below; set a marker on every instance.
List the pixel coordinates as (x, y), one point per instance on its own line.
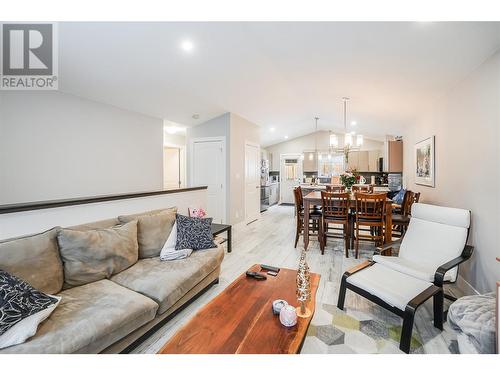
(398, 198)
(97, 254)
(22, 309)
(153, 229)
(194, 233)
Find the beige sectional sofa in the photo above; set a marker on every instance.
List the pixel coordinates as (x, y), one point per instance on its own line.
(110, 314)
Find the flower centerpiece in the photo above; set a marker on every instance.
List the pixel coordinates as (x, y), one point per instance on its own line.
(349, 178)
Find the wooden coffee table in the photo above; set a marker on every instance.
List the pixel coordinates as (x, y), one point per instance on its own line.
(240, 319)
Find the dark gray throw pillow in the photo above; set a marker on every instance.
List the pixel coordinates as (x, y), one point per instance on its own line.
(19, 300)
(194, 233)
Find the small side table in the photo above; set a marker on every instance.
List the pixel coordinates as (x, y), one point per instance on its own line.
(220, 228)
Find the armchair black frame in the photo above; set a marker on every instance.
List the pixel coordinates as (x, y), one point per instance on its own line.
(408, 314)
(436, 291)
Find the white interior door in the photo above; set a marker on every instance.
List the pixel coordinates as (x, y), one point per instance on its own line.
(171, 168)
(291, 176)
(208, 168)
(252, 182)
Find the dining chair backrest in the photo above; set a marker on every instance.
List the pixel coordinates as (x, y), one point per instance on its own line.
(299, 200)
(435, 236)
(335, 188)
(370, 206)
(335, 205)
(408, 200)
(363, 188)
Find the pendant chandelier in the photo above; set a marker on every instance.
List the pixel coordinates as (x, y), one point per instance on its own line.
(348, 136)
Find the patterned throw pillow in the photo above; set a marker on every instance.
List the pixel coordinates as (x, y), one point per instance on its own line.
(194, 233)
(398, 199)
(19, 303)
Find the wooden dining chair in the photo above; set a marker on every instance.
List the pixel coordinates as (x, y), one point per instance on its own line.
(401, 221)
(336, 212)
(335, 188)
(362, 188)
(369, 218)
(315, 218)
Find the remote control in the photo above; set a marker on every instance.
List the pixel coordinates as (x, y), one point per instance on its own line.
(272, 273)
(269, 268)
(256, 275)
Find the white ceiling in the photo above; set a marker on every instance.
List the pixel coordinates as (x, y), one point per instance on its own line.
(275, 74)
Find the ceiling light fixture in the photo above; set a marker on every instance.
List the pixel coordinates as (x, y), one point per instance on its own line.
(286, 136)
(348, 136)
(353, 123)
(187, 46)
(272, 129)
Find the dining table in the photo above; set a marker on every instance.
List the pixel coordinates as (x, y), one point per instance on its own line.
(314, 199)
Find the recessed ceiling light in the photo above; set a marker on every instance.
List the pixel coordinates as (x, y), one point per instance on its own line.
(187, 45)
(354, 123)
(196, 116)
(272, 129)
(286, 136)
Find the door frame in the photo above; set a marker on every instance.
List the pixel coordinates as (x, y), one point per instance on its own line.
(221, 139)
(183, 165)
(252, 144)
(286, 156)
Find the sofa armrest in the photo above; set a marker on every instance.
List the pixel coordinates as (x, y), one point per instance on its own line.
(441, 271)
(390, 245)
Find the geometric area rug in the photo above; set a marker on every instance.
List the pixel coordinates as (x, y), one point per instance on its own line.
(334, 331)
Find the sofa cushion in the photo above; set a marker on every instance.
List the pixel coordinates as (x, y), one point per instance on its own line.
(153, 229)
(88, 319)
(35, 259)
(97, 254)
(167, 282)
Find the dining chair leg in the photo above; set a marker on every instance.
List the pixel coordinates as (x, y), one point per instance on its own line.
(320, 236)
(357, 242)
(297, 231)
(346, 240)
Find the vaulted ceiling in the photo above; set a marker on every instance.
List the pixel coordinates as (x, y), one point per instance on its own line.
(277, 75)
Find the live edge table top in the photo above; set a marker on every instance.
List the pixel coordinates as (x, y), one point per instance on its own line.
(240, 319)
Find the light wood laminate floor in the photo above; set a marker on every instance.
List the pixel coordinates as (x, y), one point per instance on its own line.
(363, 328)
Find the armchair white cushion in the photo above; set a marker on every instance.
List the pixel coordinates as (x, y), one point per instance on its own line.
(395, 288)
(434, 236)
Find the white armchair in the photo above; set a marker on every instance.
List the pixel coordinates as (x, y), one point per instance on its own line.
(430, 252)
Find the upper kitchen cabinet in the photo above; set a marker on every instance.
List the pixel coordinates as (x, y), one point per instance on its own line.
(362, 161)
(394, 162)
(373, 157)
(310, 163)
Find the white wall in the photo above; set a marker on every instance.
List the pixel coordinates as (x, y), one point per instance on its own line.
(236, 131)
(466, 124)
(54, 145)
(241, 131)
(308, 143)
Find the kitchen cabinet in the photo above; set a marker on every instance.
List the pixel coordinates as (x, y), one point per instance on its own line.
(373, 157)
(358, 160)
(362, 161)
(310, 163)
(352, 161)
(394, 156)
